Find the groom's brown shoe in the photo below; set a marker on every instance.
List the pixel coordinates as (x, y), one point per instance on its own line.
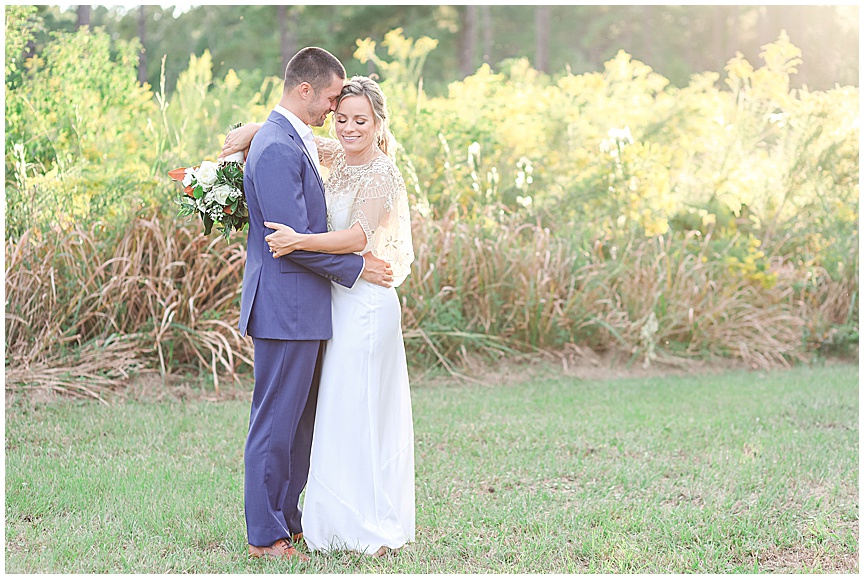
(299, 543)
(281, 549)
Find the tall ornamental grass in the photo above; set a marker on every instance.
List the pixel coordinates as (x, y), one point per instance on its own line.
(85, 311)
(83, 314)
(604, 210)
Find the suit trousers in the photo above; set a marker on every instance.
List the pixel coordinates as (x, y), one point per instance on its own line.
(287, 374)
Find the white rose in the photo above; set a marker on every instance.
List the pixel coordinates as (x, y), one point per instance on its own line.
(206, 173)
(187, 177)
(221, 194)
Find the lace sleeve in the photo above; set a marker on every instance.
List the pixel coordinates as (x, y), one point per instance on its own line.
(327, 149)
(381, 208)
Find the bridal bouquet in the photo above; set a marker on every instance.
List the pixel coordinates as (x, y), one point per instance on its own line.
(214, 190)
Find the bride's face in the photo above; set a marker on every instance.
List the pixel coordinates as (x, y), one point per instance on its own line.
(355, 124)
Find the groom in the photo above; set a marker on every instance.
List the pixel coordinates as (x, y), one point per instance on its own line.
(286, 302)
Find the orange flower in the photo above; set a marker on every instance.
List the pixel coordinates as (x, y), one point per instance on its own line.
(189, 191)
(228, 210)
(178, 174)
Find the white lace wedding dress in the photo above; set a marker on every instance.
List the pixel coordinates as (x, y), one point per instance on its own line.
(360, 494)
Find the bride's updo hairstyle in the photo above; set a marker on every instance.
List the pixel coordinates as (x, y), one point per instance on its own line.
(365, 86)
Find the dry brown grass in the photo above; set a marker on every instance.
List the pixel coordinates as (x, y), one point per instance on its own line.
(87, 308)
(83, 311)
(531, 289)
(809, 559)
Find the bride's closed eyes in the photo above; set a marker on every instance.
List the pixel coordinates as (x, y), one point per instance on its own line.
(342, 119)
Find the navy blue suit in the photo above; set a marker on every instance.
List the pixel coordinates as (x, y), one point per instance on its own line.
(285, 307)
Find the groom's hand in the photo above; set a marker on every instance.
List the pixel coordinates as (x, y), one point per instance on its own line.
(376, 270)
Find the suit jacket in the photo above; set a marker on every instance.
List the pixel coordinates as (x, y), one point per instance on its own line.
(287, 298)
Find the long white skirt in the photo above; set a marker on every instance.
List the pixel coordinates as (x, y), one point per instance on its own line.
(360, 494)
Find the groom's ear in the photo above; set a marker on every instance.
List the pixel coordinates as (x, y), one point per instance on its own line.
(304, 89)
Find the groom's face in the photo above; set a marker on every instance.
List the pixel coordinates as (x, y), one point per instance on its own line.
(324, 102)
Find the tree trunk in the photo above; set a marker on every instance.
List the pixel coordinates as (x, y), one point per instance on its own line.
(83, 16)
(765, 29)
(486, 16)
(541, 37)
(468, 32)
(142, 36)
(624, 36)
(647, 34)
(287, 19)
(29, 50)
(283, 35)
(721, 47)
(733, 34)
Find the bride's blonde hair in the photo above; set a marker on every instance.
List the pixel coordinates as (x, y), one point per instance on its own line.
(365, 86)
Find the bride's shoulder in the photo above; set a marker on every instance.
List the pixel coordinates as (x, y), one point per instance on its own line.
(385, 165)
(383, 172)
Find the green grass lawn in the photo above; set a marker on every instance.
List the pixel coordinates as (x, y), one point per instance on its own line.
(732, 472)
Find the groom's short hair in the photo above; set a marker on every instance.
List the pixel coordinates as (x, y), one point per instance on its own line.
(313, 65)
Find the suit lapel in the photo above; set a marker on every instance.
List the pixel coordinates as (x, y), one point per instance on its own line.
(292, 132)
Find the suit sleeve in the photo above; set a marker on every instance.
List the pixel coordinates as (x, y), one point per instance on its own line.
(280, 195)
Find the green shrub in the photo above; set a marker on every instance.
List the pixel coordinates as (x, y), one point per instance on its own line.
(77, 148)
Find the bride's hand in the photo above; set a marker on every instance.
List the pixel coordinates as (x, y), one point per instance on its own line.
(239, 139)
(283, 241)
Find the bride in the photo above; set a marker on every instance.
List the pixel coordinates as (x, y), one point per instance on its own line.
(360, 492)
